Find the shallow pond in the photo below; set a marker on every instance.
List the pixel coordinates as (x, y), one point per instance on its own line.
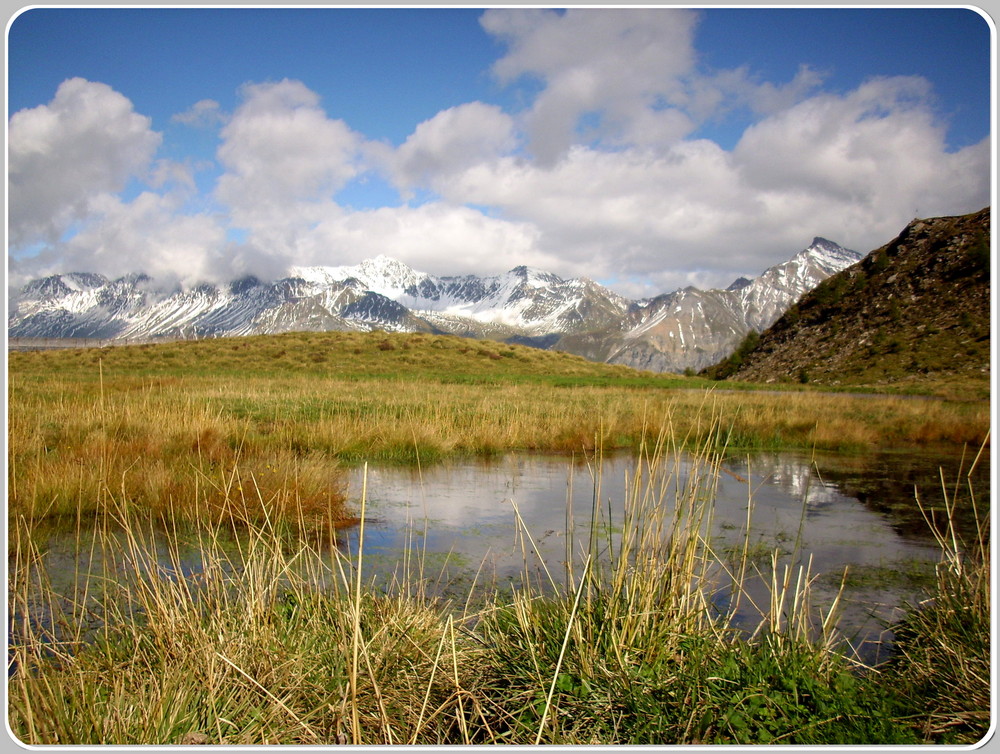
(490, 523)
(464, 525)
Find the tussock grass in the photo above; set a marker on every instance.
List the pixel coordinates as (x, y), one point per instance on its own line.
(944, 659)
(279, 639)
(162, 451)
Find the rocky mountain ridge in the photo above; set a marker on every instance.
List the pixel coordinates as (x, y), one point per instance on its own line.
(673, 332)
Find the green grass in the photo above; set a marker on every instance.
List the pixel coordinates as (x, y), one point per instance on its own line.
(911, 574)
(240, 444)
(945, 656)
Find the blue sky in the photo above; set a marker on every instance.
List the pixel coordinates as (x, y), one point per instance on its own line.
(382, 70)
(648, 148)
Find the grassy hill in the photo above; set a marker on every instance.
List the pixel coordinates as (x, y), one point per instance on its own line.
(347, 356)
(914, 314)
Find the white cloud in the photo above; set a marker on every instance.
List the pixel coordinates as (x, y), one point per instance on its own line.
(617, 65)
(67, 155)
(861, 164)
(169, 173)
(69, 161)
(612, 185)
(436, 237)
(202, 114)
(452, 141)
(838, 146)
(714, 96)
(854, 168)
(283, 161)
(634, 211)
(765, 97)
(148, 235)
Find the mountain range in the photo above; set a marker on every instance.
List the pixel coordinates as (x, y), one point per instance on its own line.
(686, 329)
(914, 311)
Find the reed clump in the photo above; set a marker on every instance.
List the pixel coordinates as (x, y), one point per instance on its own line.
(638, 648)
(276, 638)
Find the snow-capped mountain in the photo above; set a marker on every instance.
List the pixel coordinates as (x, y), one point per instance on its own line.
(672, 332)
(524, 300)
(132, 307)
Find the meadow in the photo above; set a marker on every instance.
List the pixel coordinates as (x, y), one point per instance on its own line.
(241, 444)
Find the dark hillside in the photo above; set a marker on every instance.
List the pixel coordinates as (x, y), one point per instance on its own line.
(914, 313)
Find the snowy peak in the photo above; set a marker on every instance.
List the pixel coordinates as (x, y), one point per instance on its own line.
(381, 274)
(691, 328)
(62, 285)
(522, 299)
(829, 255)
(915, 310)
(388, 273)
(535, 278)
(739, 284)
(767, 297)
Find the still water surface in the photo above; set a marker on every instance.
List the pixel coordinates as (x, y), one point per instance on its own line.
(837, 512)
(487, 524)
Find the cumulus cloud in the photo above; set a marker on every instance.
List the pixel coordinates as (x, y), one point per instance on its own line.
(173, 174)
(452, 141)
(283, 160)
(603, 213)
(854, 167)
(841, 146)
(65, 156)
(435, 237)
(864, 162)
(202, 114)
(69, 162)
(602, 174)
(618, 66)
(148, 235)
(766, 97)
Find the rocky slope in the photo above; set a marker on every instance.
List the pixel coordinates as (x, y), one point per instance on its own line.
(916, 309)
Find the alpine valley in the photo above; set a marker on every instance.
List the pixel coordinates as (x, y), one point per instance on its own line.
(673, 332)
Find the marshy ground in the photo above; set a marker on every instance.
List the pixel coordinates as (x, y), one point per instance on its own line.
(254, 434)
